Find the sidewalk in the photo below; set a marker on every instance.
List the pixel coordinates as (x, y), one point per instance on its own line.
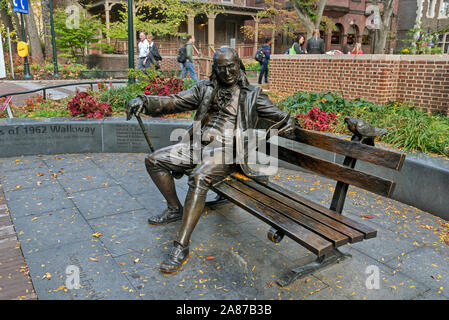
(58, 202)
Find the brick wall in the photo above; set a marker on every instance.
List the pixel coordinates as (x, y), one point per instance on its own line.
(420, 80)
(120, 62)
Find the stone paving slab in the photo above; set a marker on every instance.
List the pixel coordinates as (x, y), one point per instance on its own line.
(89, 179)
(230, 255)
(30, 178)
(105, 201)
(51, 230)
(128, 231)
(69, 162)
(100, 279)
(37, 200)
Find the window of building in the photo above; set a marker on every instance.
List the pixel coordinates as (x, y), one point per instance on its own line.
(431, 8)
(352, 35)
(336, 34)
(444, 42)
(444, 9)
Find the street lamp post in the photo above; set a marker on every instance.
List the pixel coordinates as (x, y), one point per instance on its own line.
(53, 42)
(26, 67)
(130, 39)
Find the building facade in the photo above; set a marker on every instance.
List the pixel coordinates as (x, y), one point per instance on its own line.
(350, 18)
(430, 15)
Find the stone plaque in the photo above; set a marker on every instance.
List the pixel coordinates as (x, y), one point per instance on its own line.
(48, 138)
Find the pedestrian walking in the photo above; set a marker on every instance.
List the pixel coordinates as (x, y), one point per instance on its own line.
(264, 64)
(153, 57)
(144, 49)
(188, 65)
(315, 45)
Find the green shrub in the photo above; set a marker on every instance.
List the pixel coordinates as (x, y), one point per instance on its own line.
(408, 127)
(118, 98)
(188, 83)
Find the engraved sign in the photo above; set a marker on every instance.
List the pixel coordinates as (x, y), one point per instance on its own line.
(49, 138)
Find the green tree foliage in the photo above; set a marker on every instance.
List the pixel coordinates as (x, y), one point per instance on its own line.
(419, 39)
(310, 13)
(269, 18)
(160, 17)
(72, 40)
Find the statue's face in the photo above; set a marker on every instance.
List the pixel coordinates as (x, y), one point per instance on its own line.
(227, 68)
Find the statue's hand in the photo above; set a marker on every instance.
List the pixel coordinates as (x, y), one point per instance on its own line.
(133, 106)
(289, 128)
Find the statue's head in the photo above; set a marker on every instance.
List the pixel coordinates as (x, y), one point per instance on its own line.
(227, 67)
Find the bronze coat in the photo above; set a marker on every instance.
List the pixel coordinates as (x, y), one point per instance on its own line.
(255, 111)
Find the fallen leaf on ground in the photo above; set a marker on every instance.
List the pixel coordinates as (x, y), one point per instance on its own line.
(210, 258)
(93, 259)
(97, 234)
(47, 275)
(366, 216)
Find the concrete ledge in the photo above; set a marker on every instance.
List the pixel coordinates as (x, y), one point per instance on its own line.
(423, 181)
(370, 57)
(71, 135)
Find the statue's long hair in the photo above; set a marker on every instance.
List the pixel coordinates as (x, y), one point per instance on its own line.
(243, 79)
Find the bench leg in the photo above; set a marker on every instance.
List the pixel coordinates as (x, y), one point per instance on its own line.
(327, 260)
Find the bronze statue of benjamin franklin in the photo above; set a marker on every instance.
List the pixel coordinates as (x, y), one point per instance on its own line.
(225, 103)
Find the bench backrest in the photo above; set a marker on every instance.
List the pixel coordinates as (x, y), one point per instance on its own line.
(339, 172)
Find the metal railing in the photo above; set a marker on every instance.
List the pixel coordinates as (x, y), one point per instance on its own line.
(44, 91)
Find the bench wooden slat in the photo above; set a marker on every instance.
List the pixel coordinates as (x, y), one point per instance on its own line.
(305, 237)
(381, 157)
(337, 238)
(337, 172)
(367, 231)
(353, 234)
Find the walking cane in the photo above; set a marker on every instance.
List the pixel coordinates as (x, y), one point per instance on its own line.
(144, 130)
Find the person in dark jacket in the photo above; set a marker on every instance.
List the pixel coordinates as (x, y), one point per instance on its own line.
(315, 45)
(298, 45)
(226, 103)
(153, 57)
(264, 64)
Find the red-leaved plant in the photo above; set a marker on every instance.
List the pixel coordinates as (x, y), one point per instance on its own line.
(161, 86)
(318, 120)
(84, 105)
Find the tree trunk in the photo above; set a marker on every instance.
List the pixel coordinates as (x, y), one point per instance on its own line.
(46, 29)
(33, 36)
(381, 41)
(7, 20)
(273, 40)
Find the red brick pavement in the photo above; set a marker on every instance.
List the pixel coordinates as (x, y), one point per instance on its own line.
(15, 282)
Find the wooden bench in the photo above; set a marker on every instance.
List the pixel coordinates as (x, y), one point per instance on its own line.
(319, 229)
